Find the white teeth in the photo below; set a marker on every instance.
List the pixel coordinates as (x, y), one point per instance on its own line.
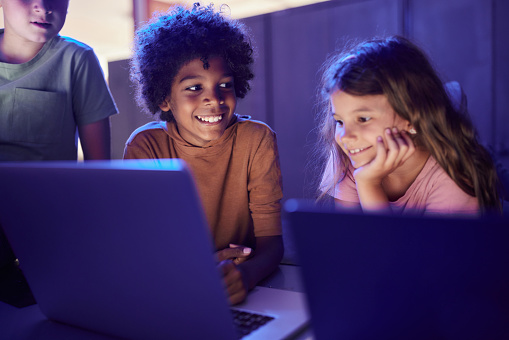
(354, 151)
(210, 119)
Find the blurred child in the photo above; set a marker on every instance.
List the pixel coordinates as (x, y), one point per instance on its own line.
(189, 66)
(391, 141)
(49, 86)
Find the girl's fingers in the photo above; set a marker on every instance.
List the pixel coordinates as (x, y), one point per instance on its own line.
(403, 146)
(381, 152)
(399, 145)
(393, 146)
(391, 151)
(410, 144)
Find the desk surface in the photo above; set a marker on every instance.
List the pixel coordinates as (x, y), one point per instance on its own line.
(29, 323)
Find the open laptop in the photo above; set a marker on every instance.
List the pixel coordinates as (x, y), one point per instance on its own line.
(122, 248)
(388, 277)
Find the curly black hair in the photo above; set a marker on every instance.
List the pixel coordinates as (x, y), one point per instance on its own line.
(172, 39)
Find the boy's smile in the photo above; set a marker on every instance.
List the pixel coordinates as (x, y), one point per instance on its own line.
(202, 101)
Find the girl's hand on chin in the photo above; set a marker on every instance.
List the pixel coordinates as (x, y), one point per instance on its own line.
(388, 158)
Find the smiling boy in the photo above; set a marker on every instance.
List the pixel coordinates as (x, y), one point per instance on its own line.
(201, 122)
(189, 67)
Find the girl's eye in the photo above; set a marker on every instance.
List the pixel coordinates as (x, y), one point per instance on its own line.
(339, 122)
(194, 88)
(364, 119)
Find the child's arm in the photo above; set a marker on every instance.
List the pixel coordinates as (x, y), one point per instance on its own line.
(388, 158)
(244, 276)
(95, 140)
(347, 205)
(373, 197)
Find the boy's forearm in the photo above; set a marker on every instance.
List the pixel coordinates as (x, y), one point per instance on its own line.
(96, 140)
(266, 259)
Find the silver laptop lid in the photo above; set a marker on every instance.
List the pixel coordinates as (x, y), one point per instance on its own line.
(118, 247)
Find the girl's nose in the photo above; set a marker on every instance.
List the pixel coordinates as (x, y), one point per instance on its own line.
(345, 134)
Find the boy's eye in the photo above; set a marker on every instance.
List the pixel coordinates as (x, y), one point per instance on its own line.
(339, 122)
(364, 119)
(226, 85)
(194, 88)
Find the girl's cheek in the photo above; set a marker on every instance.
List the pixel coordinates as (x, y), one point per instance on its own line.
(337, 135)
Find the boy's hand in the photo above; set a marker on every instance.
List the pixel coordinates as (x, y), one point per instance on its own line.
(234, 281)
(388, 158)
(236, 253)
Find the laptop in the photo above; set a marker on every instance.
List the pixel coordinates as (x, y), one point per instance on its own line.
(123, 248)
(388, 277)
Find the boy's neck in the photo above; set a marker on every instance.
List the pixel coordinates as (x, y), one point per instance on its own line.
(16, 51)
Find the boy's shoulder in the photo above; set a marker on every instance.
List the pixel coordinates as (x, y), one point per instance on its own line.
(248, 125)
(150, 128)
(63, 42)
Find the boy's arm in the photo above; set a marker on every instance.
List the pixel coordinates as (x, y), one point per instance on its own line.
(265, 193)
(95, 140)
(266, 259)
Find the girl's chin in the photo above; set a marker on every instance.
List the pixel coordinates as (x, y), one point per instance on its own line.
(358, 164)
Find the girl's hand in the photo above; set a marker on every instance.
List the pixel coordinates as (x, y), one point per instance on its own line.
(388, 158)
(369, 177)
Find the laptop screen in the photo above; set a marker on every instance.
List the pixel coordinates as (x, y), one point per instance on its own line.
(390, 277)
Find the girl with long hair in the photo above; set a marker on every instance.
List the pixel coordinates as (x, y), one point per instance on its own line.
(391, 140)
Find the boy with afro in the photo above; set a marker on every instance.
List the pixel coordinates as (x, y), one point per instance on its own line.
(189, 67)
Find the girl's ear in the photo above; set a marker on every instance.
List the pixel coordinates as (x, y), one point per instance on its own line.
(411, 130)
(165, 105)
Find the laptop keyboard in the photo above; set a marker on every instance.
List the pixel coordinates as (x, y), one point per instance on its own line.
(246, 322)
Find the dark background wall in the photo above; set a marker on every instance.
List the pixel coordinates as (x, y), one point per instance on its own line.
(466, 39)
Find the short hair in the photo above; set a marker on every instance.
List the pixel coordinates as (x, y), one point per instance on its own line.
(172, 39)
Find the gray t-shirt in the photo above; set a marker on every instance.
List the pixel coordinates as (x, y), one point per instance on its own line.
(43, 101)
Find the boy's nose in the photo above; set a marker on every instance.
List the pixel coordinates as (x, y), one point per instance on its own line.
(42, 6)
(214, 97)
